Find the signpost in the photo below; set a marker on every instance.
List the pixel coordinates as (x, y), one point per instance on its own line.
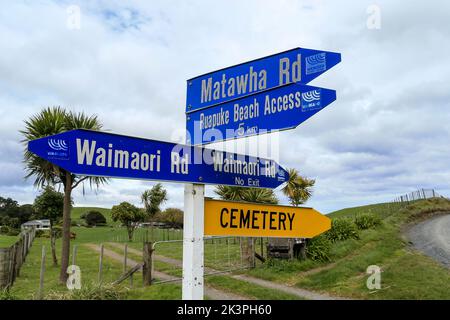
(251, 98)
(247, 99)
(280, 108)
(262, 220)
(297, 65)
(96, 153)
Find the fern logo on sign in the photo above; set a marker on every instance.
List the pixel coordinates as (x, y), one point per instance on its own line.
(311, 100)
(281, 176)
(59, 149)
(316, 63)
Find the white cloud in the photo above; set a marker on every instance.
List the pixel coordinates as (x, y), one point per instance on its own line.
(386, 134)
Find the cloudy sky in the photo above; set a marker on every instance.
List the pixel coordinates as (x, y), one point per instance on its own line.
(128, 62)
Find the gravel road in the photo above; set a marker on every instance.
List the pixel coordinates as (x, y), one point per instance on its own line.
(433, 238)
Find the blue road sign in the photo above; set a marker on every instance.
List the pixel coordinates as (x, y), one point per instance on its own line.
(272, 110)
(296, 65)
(94, 153)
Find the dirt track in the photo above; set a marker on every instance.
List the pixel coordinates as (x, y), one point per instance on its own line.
(302, 293)
(433, 238)
(211, 293)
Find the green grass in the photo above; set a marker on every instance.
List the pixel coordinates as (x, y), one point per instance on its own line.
(119, 234)
(407, 274)
(218, 255)
(382, 209)
(7, 241)
(221, 282)
(78, 211)
(27, 284)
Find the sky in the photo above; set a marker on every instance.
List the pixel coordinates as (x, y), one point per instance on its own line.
(128, 61)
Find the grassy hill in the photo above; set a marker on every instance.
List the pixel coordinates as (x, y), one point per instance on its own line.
(406, 272)
(78, 211)
(7, 241)
(381, 209)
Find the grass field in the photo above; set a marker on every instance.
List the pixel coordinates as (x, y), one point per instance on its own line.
(7, 241)
(221, 282)
(78, 211)
(26, 285)
(406, 273)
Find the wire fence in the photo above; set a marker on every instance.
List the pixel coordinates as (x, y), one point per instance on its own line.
(388, 208)
(144, 234)
(421, 194)
(12, 258)
(221, 255)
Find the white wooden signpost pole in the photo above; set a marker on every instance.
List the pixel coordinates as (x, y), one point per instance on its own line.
(193, 230)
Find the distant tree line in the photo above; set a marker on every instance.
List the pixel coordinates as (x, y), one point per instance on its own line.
(12, 215)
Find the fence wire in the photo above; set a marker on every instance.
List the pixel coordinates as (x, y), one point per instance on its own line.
(221, 255)
(421, 194)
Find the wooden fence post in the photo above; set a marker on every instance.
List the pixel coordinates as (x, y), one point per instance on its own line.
(41, 275)
(248, 251)
(125, 257)
(125, 263)
(261, 243)
(74, 255)
(100, 265)
(13, 263)
(19, 258)
(147, 267)
(24, 247)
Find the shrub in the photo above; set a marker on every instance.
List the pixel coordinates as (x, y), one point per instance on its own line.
(78, 223)
(318, 249)
(281, 265)
(45, 233)
(95, 218)
(366, 221)
(4, 229)
(39, 233)
(5, 294)
(173, 217)
(13, 232)
(342, 229)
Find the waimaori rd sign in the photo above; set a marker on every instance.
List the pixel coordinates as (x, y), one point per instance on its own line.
(96, 153)
(228, 218)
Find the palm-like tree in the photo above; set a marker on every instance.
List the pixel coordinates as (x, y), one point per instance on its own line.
(257, 195)
(50, 121)
(153, 198)
(230, 192)
(298, 189)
